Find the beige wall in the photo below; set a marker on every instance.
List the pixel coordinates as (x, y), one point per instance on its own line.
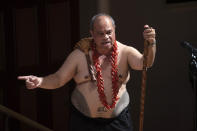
(169, 99)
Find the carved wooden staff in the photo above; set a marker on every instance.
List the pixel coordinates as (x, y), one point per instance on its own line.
(143, 86)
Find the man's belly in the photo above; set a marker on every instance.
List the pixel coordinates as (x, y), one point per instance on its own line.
(85, 98)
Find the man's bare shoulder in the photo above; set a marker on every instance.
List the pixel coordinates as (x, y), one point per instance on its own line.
(120, 44)
(125, 48)
(74, 56)
(77, 53)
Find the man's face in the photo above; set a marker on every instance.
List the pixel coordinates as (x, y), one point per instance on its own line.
(103, 34)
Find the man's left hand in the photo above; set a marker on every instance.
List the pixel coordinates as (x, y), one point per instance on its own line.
(149, 34)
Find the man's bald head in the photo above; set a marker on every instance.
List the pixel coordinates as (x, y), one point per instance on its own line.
(98, 17)
(102, 30)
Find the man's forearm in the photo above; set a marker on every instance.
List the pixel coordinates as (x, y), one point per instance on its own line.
(151, 54)
(50, 82)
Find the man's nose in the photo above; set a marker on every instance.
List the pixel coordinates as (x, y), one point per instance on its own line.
(106, 36)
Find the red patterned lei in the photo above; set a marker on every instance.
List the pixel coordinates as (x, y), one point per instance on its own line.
(114, 74)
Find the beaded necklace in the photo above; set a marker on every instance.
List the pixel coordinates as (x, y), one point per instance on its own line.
(114, 75)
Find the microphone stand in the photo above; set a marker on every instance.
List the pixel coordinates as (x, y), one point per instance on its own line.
(193, 77)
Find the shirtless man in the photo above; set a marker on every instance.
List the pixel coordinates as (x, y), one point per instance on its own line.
(99, 102)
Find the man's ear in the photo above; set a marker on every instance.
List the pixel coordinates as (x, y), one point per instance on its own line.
(91, 32)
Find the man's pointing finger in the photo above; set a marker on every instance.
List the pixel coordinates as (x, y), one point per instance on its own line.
(23, 77)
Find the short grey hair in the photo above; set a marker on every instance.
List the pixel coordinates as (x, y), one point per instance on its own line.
(96, 16)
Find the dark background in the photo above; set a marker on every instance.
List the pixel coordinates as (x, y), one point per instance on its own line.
(36, 36)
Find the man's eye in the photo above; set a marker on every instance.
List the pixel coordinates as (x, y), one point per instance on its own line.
(109, 32)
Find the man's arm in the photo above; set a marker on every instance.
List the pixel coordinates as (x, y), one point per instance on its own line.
(135, 58)
(56, 80)
(151, 54)
(149, 36)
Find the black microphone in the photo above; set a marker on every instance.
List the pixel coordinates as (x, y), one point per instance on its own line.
(187, 45)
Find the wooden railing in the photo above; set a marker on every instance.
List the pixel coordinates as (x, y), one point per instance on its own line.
(23, 119)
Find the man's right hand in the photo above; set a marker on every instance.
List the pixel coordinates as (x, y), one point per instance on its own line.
(31, 81)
